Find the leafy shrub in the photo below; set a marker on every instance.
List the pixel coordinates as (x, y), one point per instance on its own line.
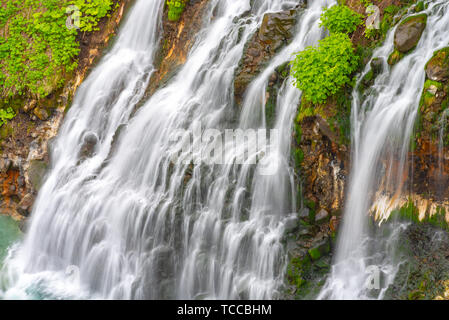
(321, 71)
(36, 47)
(340, 18)
(175, 9)
(91, 12)
(6, 115)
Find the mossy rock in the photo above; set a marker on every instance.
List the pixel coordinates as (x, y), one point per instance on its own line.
(437, 69)
(36, 173)
(320, 249)
(409, 33)
(395, 57)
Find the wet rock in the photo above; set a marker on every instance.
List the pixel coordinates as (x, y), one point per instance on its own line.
(437, 69)
(254, 52)
(36, 173)
(409, 32)
(321, 215)
(42, 114)
(30, 106)
(5, 165)
(274, 33)
(21, 181)
(432, 89)
(25, 205)
(319, 249)
(304, 213)
(291, 224)
(276, 27)
(377, 66)
(333, 224)
(90, 141)
(23, 225)
(395, 57)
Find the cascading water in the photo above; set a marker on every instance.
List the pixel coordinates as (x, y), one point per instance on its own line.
(382, 124)
(130, 210)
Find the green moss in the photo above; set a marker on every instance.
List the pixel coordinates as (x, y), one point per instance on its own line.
(307, 276)
(175, 9)
(315, 253)
(395, 57)
(420, 17)
(409, 212)
(419, 6)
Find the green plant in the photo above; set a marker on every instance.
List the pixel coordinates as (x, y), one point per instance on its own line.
(366, 3)
(371, 33)
(321, 71)
(6, 115)
(340, 19)
(91, 12)
(175, 9)
(37, 50)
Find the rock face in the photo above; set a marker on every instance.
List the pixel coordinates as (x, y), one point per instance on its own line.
(437, 69)
(176, 42)
(276, 27)
(409, 32)
(273, 34)
(324, 166)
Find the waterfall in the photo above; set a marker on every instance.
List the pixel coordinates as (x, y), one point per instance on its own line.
(382, 124)
(127, 212)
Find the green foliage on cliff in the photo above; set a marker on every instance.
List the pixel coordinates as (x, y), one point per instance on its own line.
(175, 9)
(91, 12)
(6, 114)
(37, 49)
(340, 18)
(321, 71)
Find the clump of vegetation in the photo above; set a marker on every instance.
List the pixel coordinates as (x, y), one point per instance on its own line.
(91, 12)
(6, 114)
(340, 19)
(175, 9)
(36, 46)
(321, 71)
(37, 49)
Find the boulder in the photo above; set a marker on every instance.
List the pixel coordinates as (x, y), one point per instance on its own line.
(409, 32)
(437, 69)
(42, 114)
(90, 141)
(36, 173)
(274, 32)
(319, 249)
(25, 205)
(276, 27)
(321, 215)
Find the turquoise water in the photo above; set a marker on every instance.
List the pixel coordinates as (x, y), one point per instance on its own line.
(9, 233)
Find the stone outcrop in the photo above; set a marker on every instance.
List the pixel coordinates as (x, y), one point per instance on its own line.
(437, 69)
(409, 33)
(274, 33)
(176, 42)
